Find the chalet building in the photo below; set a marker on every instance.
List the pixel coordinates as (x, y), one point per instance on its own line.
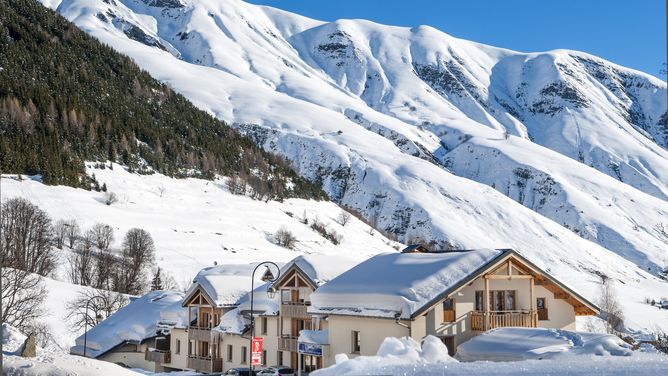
(451, 295)
(328, 305)
(216, 335)
(138, 334)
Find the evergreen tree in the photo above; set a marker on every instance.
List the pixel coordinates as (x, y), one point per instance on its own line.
(156, 282)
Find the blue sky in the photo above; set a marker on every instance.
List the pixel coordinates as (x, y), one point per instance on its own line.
(630, 33)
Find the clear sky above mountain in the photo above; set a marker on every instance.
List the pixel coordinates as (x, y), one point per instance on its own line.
(627, 32)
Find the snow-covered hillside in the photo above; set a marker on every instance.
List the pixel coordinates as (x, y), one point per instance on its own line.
(568, 147)
(382, 116)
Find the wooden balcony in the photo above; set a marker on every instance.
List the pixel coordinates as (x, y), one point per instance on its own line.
(287, 343)
(158, 356)
(482, 321)
(296, 310)
(199, 334)
(205, 364)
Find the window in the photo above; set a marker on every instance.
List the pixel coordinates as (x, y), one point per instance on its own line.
(215, 319)
(205, 320)
(264, 357)
(205, 349)
(230, 349)
(279, 358)
(499, 300)
(244, 354)
(356, 342)
(448, 310)
(541, 306)
(264, 325)
(190, 347)
(178, 346)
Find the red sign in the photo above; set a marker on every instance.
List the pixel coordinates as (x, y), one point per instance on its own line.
(256, 354)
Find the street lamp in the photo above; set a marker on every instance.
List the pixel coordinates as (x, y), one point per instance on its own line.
(271, 293)
(98, 318)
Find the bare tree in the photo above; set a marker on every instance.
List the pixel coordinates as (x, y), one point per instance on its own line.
(105, 267)
(103, 303)
(343, 218)
(72, 233)
(23, 295)
(611, 309)
(285, 238)
(102, 235)
(82, 263)
(161, 190)
(60, 233)
(26, 237)
(138, 255)
(236, 185)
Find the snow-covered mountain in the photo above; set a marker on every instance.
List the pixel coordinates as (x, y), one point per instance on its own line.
(560, 155)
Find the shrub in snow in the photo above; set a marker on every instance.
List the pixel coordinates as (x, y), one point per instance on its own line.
(285, 238)
(110, 198)
(343, 218)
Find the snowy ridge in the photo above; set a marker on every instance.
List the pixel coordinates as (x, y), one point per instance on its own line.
(387, 141)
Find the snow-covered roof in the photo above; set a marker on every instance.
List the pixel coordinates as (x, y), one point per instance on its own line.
(403, 283)
(235, 322)
(225, 284)
(319, 268)
(319, 337)
(135, 322)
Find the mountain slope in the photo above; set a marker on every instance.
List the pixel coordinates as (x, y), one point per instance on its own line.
(74, 99)
(258, 69)
(337, 98)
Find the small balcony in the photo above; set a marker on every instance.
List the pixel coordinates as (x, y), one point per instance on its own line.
(482, 321)
(205, 364)
(199, 333)
(287, 343)
(296, 310)
(158, 356)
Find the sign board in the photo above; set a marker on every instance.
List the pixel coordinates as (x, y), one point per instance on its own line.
(310, 349)
(256, 353)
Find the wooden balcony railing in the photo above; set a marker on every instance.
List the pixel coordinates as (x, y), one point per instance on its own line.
(498, 319)
(158, 356)
(287, 343)
(205, 364)
(296, 310)
(199, 334)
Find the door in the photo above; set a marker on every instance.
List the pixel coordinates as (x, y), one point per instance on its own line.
(449, 343)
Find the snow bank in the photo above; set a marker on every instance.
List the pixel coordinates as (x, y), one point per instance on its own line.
(393, 283)
(511, 344)
(393, 354)
(134, 323)
(405, 357)
(12, 340)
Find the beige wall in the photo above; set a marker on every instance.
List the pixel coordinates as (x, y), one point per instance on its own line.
(180, 359)
(560, 313)
(374, 330)
(131, 356)
(269, 343)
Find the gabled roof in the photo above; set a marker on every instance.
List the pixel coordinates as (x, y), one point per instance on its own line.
(316, 269)
(408, 283)
(223, 285)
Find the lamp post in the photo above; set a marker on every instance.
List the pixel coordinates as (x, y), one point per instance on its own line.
(98, 317)
(271, 292)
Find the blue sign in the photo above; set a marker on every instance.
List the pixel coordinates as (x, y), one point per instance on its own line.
(310, 349)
